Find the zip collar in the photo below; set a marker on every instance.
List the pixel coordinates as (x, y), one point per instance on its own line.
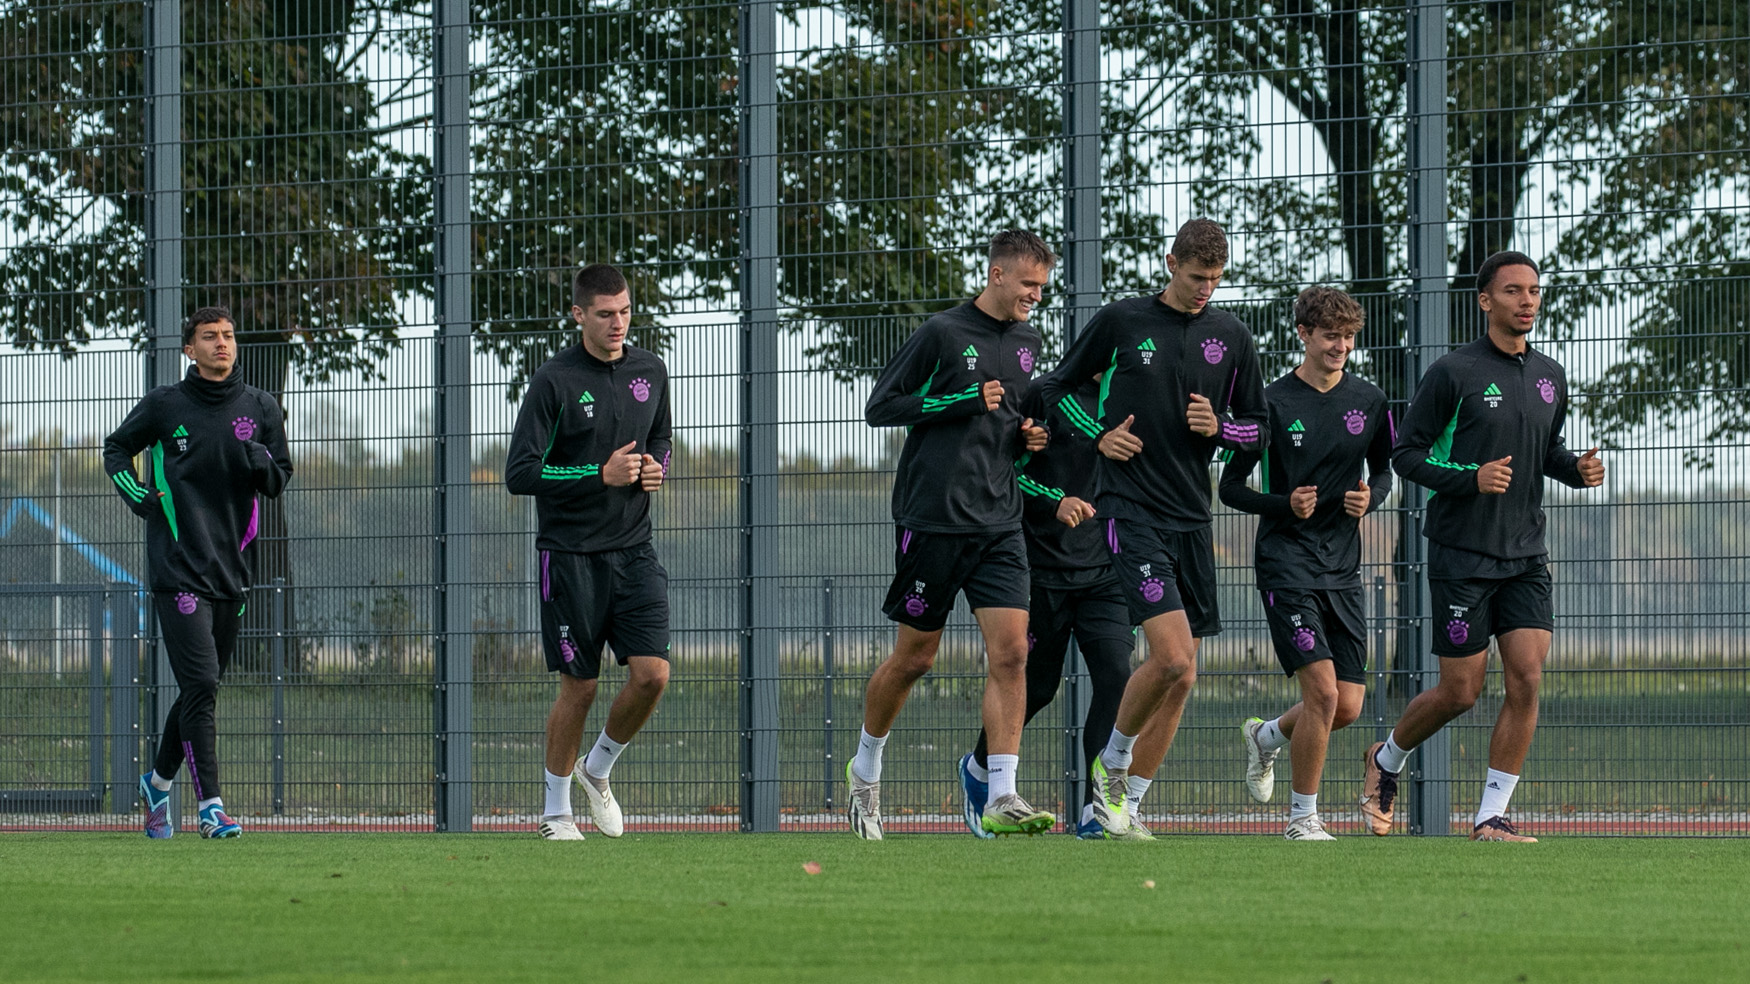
(211, 393)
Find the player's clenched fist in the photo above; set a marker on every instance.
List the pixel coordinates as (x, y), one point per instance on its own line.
(651, 473)
(1494, 477)
(1032, 437)
(992, 391)
(623, 467)
(1118, 443)
(1304, 500)
(1072, 511)
(1200, 415)
(1356, 501)
(1591, 468)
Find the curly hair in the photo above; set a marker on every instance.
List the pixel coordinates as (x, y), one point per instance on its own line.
(1327, 307)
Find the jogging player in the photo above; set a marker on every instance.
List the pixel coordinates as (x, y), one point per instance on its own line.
(1073, 591)
(1484, 430)
(957, 382)
(217, 445)
(1326, 427)
(591, 444)
(1180, 380)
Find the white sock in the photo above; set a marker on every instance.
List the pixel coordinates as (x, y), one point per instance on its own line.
(1087, 813)
(1135, 788)
(602, 756)
(1497, 790)
(159, 782)
(1391, 758)
(216, 801)
(979, 772)
(1002, 775)
(558, 795)
(1117, 753)
(867, 765)
(1270, 736)
(1302, 805)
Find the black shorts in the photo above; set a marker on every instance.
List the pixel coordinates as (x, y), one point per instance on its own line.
(1309, 625)
(1468, 611)
(617, 598)
(931, 568)
(1165, 571)
(1088, 602)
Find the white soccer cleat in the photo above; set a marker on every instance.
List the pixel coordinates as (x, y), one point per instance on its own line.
(865, 808)
(1110, 792)
(1260, 764)
(604, 810)
(1307, 828)
(559, 829)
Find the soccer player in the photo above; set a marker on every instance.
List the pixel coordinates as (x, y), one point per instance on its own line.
(591, 443)
(1481, 434)
(1180, 379)
(1073, 590)
(957, 382)
(1326, 426)
(217, 445)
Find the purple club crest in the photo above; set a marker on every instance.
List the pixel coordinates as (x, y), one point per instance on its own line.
(1304, 639)
(1356, 421)
(1030, 641)
(1213, 351)
(568, 650)
(915, 605)
(640, 389)
(186, 603)
(243, 427)
(1458, 630)
(1153, 590)
(1547, 390)
(1026, 357)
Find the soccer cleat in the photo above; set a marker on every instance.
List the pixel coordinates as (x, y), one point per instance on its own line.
(1109, 794)
(1090, 830)
(604, 810)
(157, 801)
(1307, 828)
(1379, 789)
(1260, 764)
(865, 808)
(1500, 829)
(559, 829)
(217, 825)
(974, 793)
(1013, 815)
(1133, 830)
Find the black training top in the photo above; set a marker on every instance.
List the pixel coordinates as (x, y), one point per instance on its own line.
(215, 448)
(957, 469)
(1322, 440)
(1151, 358)
(1476, 405)
(1065, 467)
(578, 411)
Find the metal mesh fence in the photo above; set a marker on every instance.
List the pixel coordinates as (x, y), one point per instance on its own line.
(391, 198)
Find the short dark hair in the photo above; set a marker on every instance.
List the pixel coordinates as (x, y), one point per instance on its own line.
(595, 280)
(1201, 241)
(1505, 258)
(1327, 307)
(204, 316)
(1019, 244)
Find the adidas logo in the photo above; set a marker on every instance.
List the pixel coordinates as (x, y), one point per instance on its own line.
(1493, 390)
(1147, 348)
(180, 432)
(971, 355)
(587, 397)
(588, 401)
(1297, 431)
(1493, 396)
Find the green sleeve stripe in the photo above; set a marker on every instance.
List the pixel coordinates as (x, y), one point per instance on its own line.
(1078, 417)
(1106, 382)
(562, 472)
(933, 404)
(1032, 487)
(1440, 455)
(129, 487)
(1264, 465)
(163, 483)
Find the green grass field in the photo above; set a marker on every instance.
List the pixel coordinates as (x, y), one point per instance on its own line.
(95, 907)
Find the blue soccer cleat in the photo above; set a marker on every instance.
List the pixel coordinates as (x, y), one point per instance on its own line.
(974, 795)
(1090, 830)
(157, 802)
(215, 824)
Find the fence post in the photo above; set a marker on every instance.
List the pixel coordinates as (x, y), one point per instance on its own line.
(276, 669)
(453, 601)
(1082, 244)
(124, 693)
(94, 680)
(827, 618)
(757, 289)
(1428, 336)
